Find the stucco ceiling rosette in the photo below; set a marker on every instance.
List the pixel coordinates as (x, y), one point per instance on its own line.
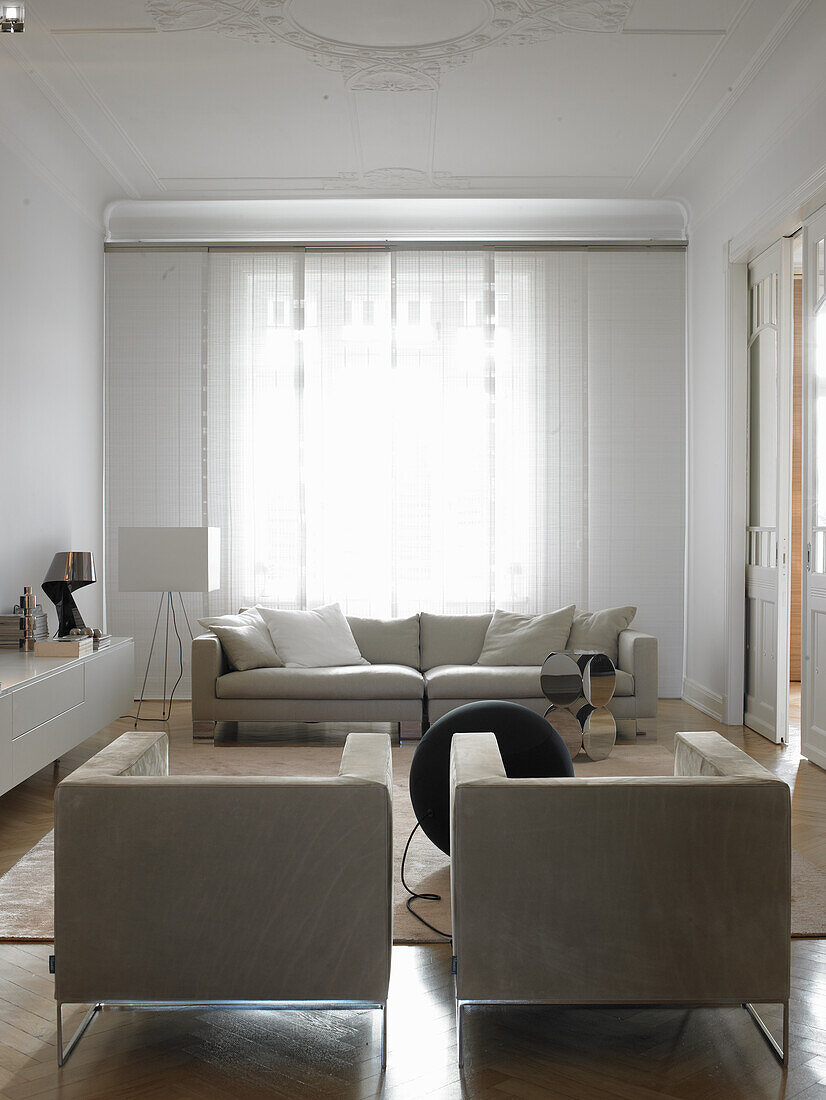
(391, 45)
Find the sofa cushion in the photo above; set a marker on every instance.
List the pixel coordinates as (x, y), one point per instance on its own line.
(497, 682)
(320, 638)
(600, 629)
(347, 682)
(513, 639)
(245, 640)
(387, 641)
(452, 639)
(483, 682)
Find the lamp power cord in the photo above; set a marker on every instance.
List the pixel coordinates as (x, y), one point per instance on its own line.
(414, 895)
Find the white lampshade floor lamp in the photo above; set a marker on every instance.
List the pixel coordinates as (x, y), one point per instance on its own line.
(169, 560)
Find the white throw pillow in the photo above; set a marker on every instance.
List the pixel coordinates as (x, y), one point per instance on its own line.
(245, 640)
(321, 638)
(600, 630)
(513, 639)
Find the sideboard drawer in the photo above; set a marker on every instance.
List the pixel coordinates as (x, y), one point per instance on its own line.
(39, 747)
(32, 706)
(6, 768)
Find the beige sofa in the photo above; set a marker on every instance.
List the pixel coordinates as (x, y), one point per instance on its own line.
(667, 890)
(420, 668)
(215, 889)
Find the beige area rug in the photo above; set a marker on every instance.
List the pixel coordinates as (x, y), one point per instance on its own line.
(26, 891)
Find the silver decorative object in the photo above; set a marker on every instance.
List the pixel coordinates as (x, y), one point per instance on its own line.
(579, 686)
(28, 620)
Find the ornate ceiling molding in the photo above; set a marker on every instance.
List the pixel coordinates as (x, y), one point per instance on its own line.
(397, 180)
(392, 68)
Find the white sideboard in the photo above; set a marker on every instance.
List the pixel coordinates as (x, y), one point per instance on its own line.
(50, 704)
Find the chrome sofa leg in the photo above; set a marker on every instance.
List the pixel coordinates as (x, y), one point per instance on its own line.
(780, 1053)
(460, 1032)
(63, 1055)
(203, 731)
(384, 1036)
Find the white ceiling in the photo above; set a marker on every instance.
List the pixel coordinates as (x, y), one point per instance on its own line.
(208, 99)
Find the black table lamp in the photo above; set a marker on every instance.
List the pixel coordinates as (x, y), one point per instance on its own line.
(70, 569)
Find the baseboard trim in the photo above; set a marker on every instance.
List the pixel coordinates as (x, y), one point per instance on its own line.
(816, 756)
(709, 702)
(754, 722)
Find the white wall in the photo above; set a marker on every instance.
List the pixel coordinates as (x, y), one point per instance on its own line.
(762, 163)
(52, 195)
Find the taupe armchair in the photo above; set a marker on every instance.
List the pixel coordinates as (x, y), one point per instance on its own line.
(668, 891)
(205, 890)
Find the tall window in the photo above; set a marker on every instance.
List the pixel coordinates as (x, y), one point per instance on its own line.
(387, 417)
(404, 430)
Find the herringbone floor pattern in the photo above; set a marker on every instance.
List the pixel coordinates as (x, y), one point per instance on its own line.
(713, 1054)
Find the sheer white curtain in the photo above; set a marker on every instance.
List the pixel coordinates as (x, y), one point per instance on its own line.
(378, 428)
(403, 430)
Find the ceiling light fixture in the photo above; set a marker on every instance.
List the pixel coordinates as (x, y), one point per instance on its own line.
(12, 18)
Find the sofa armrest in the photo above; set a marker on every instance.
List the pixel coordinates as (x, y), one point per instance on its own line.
(475, 757)
(638, 656)
(138, 753)
(708, 753)
(208, 663)
(367, 758)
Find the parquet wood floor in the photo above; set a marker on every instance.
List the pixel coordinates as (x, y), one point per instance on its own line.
(580, 1054)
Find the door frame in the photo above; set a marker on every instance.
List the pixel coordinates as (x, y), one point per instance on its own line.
(780, 219)
(736, 486)
(814, 753)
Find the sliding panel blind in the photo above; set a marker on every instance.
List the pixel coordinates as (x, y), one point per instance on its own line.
(406, 429)
(254, 424)
(636, 444)
(153, 438)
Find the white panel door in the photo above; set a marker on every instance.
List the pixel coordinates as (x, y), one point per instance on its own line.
(769, 493)
(813, 675)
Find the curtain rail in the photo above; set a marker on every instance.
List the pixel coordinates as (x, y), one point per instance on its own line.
(409, 246)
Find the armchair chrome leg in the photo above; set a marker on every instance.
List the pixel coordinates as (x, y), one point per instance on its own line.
(384, 1036)
(460, 1032)
(63, 1055)
(780, 1053)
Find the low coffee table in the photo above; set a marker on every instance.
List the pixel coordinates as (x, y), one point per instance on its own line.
(579, 684)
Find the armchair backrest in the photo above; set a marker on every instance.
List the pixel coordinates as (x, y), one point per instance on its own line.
(650, 889)
(204, 888)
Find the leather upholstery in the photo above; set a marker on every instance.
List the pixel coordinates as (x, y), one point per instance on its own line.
(225, 888)
(663, 889)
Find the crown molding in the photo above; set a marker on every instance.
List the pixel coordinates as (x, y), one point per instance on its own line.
(780, 219)
(790, 16)
(51, 179)
(690, 92)
(396, 179)
(760, 153)
(34, 71)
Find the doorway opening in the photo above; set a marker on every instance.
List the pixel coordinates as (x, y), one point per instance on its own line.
(774, 472)
(796, 578)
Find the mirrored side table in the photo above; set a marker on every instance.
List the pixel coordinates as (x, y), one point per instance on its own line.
(579, 685)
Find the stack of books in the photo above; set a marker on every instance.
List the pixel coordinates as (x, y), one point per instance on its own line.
(102, 641)
(77, 646)
(11, 631)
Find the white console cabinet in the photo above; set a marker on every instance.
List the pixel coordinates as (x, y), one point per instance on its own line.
(48, 704)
